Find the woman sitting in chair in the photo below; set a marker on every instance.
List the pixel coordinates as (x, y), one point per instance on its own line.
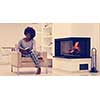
(27, 47)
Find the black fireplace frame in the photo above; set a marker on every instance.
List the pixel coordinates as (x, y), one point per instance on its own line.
(57, 43)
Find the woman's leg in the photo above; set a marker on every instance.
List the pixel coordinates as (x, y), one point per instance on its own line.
(34, 57)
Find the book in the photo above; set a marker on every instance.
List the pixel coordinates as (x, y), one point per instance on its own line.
(27, 48)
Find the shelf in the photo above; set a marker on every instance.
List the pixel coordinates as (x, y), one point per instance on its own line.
(46, 39)
(47, 36)
(47, 46)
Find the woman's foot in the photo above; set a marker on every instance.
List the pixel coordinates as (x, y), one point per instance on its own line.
(38, 71)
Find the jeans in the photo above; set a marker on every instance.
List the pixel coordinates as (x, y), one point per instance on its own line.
(34, 58)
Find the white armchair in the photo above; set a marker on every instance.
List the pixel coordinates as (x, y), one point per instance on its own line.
(19, 62)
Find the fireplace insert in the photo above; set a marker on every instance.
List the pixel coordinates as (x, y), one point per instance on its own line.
(73, 47)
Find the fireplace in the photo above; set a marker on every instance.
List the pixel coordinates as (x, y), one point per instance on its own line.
(74, 47)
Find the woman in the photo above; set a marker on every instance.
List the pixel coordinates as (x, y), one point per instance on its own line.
(27, 47)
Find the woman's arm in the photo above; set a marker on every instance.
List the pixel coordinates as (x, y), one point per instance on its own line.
(18, 47)
(34, 45)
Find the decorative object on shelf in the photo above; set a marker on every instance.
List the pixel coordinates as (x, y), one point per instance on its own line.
(94, 61)
(50, 44)
(47, 28)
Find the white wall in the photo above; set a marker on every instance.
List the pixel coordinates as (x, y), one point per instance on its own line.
(61, 30)
(11, 33)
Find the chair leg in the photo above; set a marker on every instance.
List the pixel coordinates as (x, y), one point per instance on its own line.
(11, 68)
(17, 70)
(46, 69)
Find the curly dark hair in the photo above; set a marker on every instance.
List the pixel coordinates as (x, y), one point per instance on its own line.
(31, 31)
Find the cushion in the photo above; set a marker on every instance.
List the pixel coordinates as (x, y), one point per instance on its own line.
(28, 59)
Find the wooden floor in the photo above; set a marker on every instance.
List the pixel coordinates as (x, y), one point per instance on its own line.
(5, 71)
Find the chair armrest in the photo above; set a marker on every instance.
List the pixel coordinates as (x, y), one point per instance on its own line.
(15, 58)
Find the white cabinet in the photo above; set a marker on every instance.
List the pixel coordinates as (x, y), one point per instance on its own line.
(44, 40)
(47, 41)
